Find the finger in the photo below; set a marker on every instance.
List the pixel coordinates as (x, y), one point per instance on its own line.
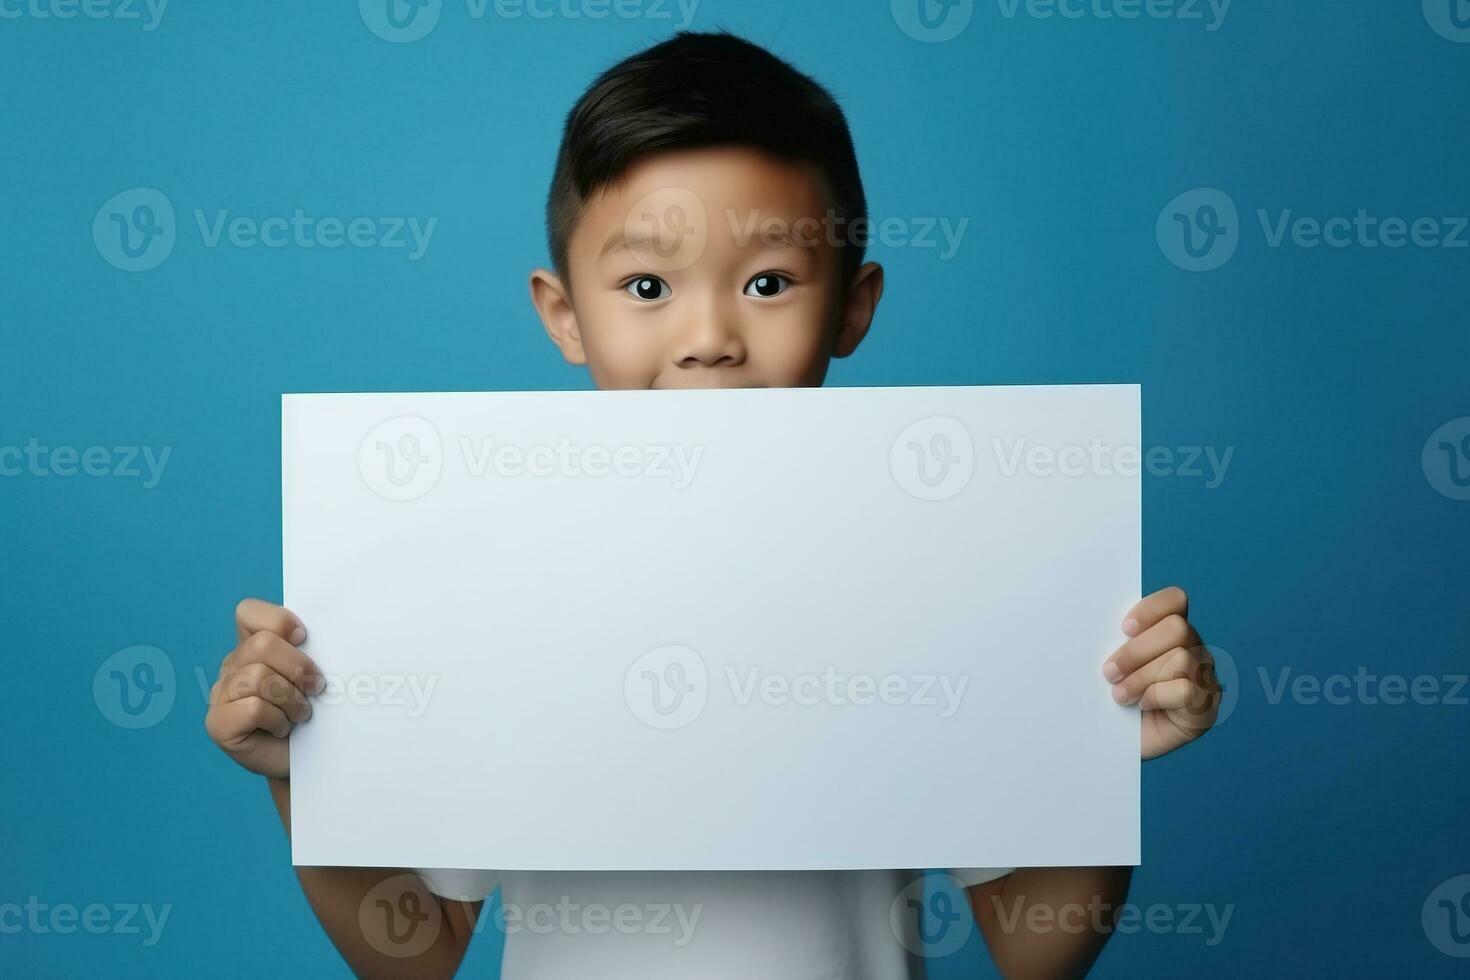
(1153, 609)
(1178, 662)
(1180, 692)
(258, 680)
(1206, 693)
(234, 720)
(257, 615)
(283, 658)
(1173, 631)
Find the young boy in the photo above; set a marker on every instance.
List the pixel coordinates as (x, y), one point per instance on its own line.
(706, 224)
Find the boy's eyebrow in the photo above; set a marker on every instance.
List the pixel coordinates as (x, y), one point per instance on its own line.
(620, 239)
(802, 233)
(781, 235)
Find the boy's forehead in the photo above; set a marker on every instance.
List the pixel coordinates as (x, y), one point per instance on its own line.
(704, 191)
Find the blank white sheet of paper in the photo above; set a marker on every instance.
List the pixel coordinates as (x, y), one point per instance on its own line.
(782, 629)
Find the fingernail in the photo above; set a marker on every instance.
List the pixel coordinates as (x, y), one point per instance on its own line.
(1112, 672)
(1120, 694)
(1130, 627)
(298, 635)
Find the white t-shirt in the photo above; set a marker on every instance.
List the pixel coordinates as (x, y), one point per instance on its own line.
(645, 925)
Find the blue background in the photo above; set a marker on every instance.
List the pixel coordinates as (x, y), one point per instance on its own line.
(1325, 548)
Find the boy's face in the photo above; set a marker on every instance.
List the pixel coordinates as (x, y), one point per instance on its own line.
(708, 268)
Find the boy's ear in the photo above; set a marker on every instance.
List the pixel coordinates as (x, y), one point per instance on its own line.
(553, 302)
(858, 306)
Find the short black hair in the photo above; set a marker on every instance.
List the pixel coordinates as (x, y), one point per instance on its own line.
(698, 90)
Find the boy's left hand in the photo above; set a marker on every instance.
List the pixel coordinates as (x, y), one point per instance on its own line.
(1166, 671)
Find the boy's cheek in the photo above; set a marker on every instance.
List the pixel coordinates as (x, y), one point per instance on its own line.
(789, 368)
(619, 354)
(792, 352)
(619, 373)
(621, 360)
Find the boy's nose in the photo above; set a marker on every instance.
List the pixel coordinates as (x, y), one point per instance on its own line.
(711, 340)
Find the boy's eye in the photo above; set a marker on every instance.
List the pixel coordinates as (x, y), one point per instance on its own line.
(767, 284)
(648, 288)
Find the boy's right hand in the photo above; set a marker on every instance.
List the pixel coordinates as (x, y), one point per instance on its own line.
(262, 690)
